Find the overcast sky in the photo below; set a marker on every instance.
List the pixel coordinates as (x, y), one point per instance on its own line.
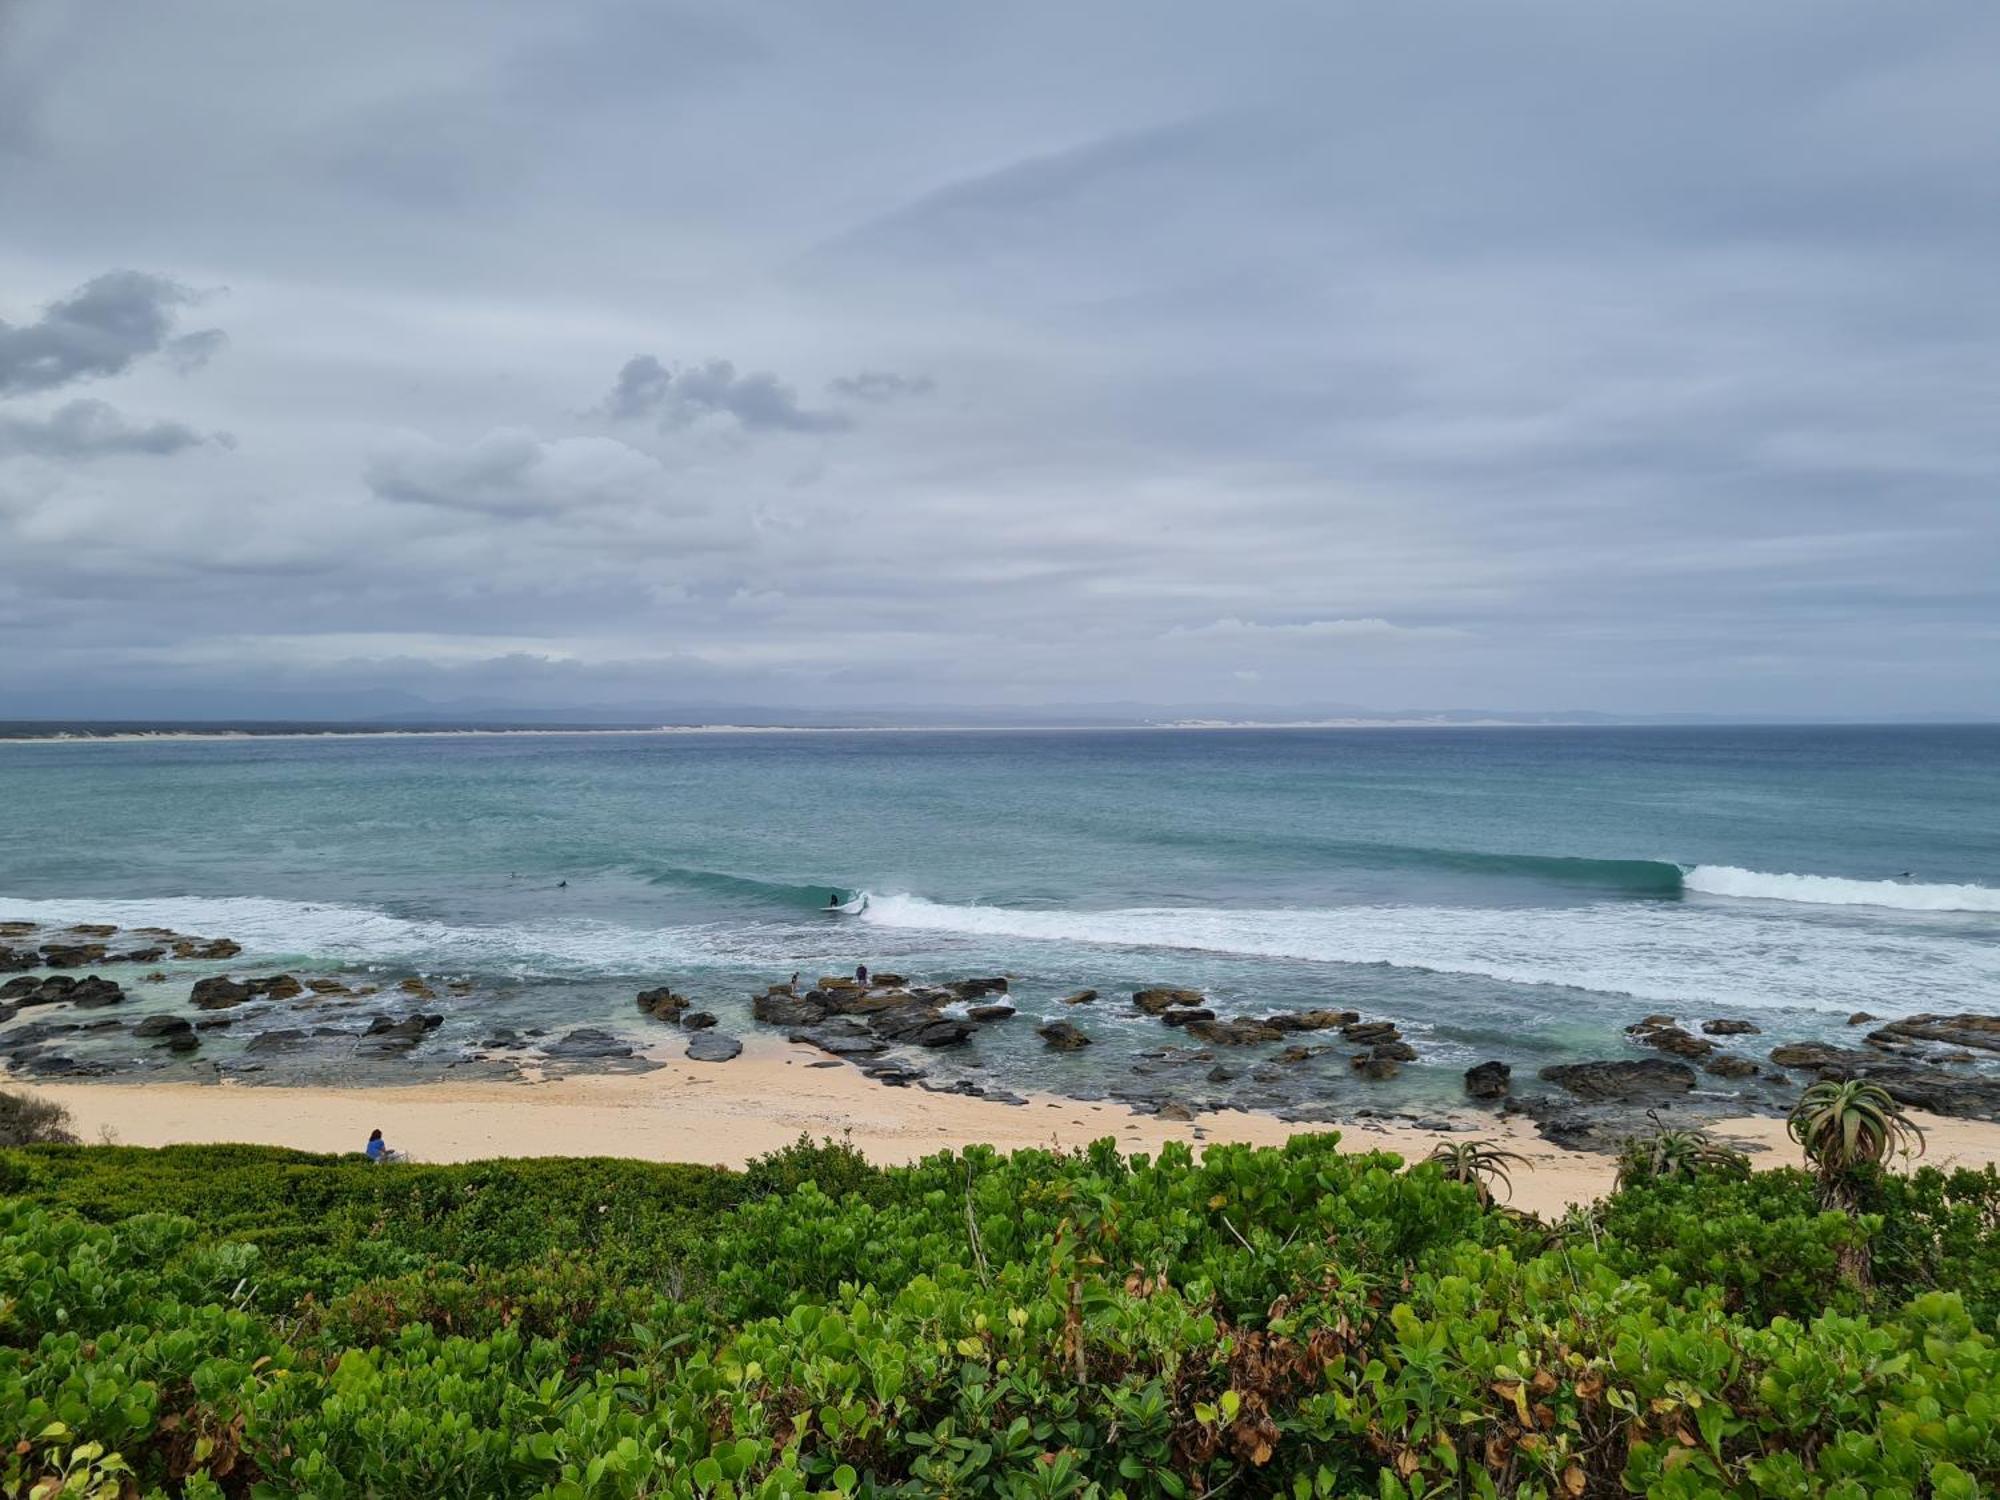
(1627, 357)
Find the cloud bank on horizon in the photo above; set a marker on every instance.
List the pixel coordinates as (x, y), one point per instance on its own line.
(1555, 355)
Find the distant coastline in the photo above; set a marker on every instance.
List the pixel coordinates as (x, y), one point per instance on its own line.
(74, 732)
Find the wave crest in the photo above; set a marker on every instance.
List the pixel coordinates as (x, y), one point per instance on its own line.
(1835, 890)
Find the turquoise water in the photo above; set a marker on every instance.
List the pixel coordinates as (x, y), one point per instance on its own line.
(1521, 893)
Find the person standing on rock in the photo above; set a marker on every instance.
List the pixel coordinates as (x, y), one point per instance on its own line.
(861, 974)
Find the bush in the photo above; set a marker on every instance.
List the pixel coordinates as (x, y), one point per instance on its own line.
(28, 1121)
(1047, 1324)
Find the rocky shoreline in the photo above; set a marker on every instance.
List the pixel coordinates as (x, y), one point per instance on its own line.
(62, 1019)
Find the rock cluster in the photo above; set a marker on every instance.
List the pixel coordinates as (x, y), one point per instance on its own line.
(849, 1018)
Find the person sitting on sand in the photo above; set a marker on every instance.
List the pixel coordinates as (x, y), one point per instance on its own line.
(378, 1149)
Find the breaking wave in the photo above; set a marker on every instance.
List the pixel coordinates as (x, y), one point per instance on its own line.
(1665, 951)
(1834, 890)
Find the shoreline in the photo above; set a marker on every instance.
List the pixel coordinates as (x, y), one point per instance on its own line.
(729, 1113)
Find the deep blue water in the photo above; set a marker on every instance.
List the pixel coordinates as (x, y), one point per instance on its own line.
(1517, 892)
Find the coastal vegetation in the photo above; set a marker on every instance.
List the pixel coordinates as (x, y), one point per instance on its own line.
(208, 1321)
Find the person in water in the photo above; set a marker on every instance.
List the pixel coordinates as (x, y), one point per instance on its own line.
(378, 1149)
(833, 898)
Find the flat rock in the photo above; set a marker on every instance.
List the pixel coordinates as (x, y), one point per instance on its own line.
(1647, 1078)
(979, 989)
(1672, 1039)
(1080, 997)
(1187, 1015)
(1154, 1001)
(163, 1026)
(1723, 1026)
(1312, 1020)
(282, 1040)
(1241, 1032)
(588, 1042)
(713, 1047)
(1369, 1033)
(782, 1008)
(991, 1012)
(919, 1025)
(1729, 1065)
(1982, 1032)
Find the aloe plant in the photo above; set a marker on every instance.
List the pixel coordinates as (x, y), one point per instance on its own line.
(1477, 1164)
(1848, 1132)
(1675, 1153)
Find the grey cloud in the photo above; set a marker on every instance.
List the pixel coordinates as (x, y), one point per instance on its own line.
(880, 385)
(511, 472)
(681, 395)
(101, 329)
(86, 429)
(191, 351)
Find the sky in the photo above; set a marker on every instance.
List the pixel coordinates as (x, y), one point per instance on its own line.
(1554, 354)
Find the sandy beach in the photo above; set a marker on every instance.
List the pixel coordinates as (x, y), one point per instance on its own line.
(726, 1114)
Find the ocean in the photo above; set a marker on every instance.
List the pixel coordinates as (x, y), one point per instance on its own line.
(1513, 893)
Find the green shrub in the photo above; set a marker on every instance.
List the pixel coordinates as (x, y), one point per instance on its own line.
(1080, 1324)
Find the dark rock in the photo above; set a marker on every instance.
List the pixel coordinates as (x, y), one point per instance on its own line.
(1221, 1073)
(277, 1041)
(94, 929)
(587, 1043)
(503, 1037)
(1488, 1080)
(888, 981)
(920, 1025)
(207, 949)
(1061, 1036)
(978, 989)
(13, 960)
(1394, 1051)
(415, 987)
(1373, 1064)
(1672, 1039)
(215, 1023)
(1241, 1032)
(1174, 1110)
(1861, 1018)
(1978, 1031)
(327, 987)
(1187, 1016)
(1729, 1065)
(1648, 1078)
(1369, 1033)
(1300, 1054)
(219, 992)
(842, 1039)
(8, 1012)
(57, 988)
(696, 1020)
(782, 1008)
(153, 1026)
(1813, 1056)
(894, 1074)
(71, 955)
(1080, 997)
(991, 1012)
(276, 987)
(662, 1004)
(1312, 1020)
(1726, 1027)
(103, 1025)
(1155, 1001)
(141, 956)
(1648, 1023)
(712, 1047)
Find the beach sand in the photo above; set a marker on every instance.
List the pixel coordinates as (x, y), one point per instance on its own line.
(725, 1114)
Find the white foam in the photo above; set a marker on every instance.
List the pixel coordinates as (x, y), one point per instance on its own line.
(353, 934)
(1833, 890)
(1679, 953)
